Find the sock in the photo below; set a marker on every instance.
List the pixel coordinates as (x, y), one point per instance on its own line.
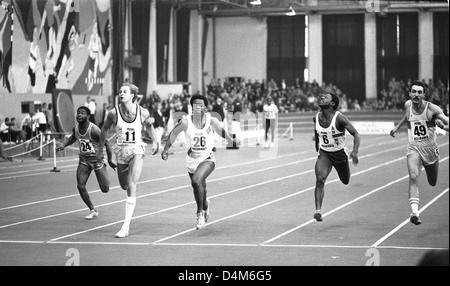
(130, 204)
(414, 205)
(317, 211)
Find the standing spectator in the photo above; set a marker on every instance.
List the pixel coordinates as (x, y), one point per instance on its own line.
(28, 125)
(4, 129)
(90, 103)
(219, 113)
(41, 120)
(50, 121)
(270, 115)
(158, 124)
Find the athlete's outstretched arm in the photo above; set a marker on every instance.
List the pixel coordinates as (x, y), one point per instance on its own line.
(356, 137)
(179, 127)
(95, 134)
(441, 119)
(316, 136)
(150, 130)
(72, 139)
(402, 121)
(110, 118)
(222, 132)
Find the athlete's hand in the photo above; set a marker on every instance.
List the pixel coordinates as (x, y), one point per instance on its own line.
(354, 157)
(392, 133)
(155, 149)
(112, 164)
(59, 149)
(439, 123)
(165, 154)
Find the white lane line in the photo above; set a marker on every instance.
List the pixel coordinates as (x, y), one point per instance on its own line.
(124, 243)
(183, 175)
(148, 181)
(381, 240)
(159, 192)
(342, 206)
(236, 190)
(281, 198)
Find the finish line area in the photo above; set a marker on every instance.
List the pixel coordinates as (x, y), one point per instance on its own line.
(262, 206)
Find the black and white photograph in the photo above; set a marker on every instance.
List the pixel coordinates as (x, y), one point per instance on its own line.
(224, 141)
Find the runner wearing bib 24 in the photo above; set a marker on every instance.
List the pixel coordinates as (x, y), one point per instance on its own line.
(90, 157)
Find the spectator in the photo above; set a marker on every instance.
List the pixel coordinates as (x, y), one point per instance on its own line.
(4, 129)
(158, 123)
(50, 121)
(92, 105)
(17, 134)
(356, 106)
(41, 121)
(28, 126)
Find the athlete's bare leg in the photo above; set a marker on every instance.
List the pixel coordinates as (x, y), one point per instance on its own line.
(103, 179)
(83, 173)
(322, 169)
(198, 181)
(432, 173)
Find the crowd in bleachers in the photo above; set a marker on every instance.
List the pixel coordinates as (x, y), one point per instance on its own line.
(300, 97)
(34, 122)
(396, 93)
(250, 96)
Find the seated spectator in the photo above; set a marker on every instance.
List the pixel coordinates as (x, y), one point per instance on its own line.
(17, 134)
(4, 130)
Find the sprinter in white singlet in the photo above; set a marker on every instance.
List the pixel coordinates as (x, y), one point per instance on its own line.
(330, 127)
(421, 117)
(199, 128)
(129, 119)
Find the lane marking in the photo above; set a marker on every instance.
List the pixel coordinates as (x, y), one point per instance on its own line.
(406, 221)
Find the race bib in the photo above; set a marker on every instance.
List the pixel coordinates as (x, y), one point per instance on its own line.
(86, 147)
(127, 137)
(419, 130)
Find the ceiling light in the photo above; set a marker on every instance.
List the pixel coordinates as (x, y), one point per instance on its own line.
(256, 2)
(291, 12)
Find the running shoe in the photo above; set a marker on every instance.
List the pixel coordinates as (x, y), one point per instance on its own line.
(200, 220)
(414, 218)
(92, 214)
(123, 232)
(318, 216)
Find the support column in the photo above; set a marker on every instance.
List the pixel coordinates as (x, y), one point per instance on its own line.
(370, 44)
(426, 52)
(195, 51)
(315, 64)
